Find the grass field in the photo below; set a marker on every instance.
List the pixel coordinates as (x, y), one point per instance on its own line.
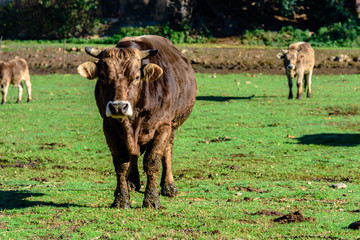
(245, 150)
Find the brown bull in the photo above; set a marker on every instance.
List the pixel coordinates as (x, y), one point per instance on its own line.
(14, 72)
(145, 90)
(299, 61)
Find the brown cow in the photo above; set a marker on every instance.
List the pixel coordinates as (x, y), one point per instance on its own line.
(14, 72)
(145, 90)
(299, 61)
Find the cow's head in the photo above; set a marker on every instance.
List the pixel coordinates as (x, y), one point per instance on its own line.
(291, 58)
(120, 73)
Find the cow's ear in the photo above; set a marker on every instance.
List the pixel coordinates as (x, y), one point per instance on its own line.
(88, 70)
(151, 72)
(280, 55)
(148, 53)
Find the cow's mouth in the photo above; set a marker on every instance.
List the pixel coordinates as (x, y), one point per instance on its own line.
(118, 109)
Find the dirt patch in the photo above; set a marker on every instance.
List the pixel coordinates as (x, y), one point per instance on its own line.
(19, 164)
(342, 112)
(245, 189)
(216, 140)
(269, 213)
(238, 155)
(51, 146)
(40, 179)
(60, 167)
(47, 60)
(294, 217)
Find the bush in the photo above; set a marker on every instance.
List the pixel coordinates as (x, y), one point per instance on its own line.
(336, 35)
(176, 36)
(285, 36)
(48, 19)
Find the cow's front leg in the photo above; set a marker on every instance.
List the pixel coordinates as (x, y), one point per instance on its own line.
(133, 176)
(122, 197)
(4, 91)
(290, 83)
(152, 161)
(300, 86)
(167, 184)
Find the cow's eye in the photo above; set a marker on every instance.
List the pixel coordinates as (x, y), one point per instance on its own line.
(136, 80)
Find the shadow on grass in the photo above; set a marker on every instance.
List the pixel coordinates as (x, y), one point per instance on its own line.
(331, 139)
(17, 200)
(221, 98)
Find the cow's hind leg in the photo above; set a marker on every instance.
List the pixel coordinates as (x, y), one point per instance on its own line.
(167, 184)
(133, 176)
(28, 86)
(309, 84)
(122, 197)
(21, 87)
(152, 161)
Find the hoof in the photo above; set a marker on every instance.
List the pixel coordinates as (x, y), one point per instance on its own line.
(169, 190)
(121, 203)
(17, 101)
(152, 203)
(29, 100)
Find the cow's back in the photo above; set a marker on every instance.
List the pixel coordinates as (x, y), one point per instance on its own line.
(172, 95)
(16, 69)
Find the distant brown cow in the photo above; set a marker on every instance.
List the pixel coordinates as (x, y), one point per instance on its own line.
(14, 72)
(299, 61)
(145, 90)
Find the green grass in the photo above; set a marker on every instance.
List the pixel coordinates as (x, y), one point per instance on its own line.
(57, 178)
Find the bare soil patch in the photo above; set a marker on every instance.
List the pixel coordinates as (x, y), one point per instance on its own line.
(269, 213)
(48, 60)
(294, 217)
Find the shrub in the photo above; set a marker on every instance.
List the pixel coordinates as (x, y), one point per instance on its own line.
(49, 19)
(176, 36)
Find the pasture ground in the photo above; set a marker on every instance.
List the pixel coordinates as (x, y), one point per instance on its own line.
(246, 156)
(225, 56)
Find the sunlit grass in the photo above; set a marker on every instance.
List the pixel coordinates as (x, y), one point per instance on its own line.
(57, 178)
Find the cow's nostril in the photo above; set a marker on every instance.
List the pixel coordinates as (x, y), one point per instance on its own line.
(112, 107)
(124, 107)
(290, 67)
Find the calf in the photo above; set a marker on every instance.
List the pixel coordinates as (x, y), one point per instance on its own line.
(299, 61)
(14, 72)
(145, 90)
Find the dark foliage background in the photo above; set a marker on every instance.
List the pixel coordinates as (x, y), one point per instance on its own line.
(59, 19)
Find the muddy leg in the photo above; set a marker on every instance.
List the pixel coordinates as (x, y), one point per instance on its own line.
(167, 184)
(152, 162)
(133, 177)
(122, 197)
